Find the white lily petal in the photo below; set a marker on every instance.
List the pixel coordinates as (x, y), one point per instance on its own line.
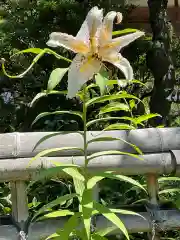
(118, 43)
(125, 67)
(58, 39)
(81, 70)
(91, 25)
(122, 63)
(107, 27)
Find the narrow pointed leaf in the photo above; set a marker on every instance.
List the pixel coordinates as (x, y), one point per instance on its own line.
(72, 171)
(124, 31)
(146, 117)
(56, 214)
(166, 179)
(37, 97)
(55, 54)
(79, 188)
(105, 98)
(54, 172)
(45, 114)
(55, 77)
(29, 50)
(106, 212)
(133, 120)
(125, 212)
(112, 175)
(53, 135)
(44, 94)
(95, 236)
(101, 81)
(119, 126)
(69, 226)
(107, 230)
(112, 152)
(101, 139)
(169, 191)
(54, 236)
(139, 82)
(54, 150)
(54, 203)
(87, 208)
(114, 107)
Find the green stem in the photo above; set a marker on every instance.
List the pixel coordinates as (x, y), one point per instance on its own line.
(85, 132)
(135, 125)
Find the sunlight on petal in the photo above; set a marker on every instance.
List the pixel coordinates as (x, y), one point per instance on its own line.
(122, 63)
(91, 24)
(81, 70)
(68, 42)
(107, 27)
(120, 42)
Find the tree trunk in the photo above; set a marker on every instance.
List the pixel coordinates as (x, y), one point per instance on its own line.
(159, 60)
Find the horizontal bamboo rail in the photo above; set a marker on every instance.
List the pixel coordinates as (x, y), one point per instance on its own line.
(170, 220)
(159, 163)
(161, 155)
(151, 140)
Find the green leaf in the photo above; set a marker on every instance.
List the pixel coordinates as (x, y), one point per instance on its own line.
(36, 98)
(54, 150)
(55, 171)
(56, 214)
(126, 212)
(112, 152)
(44, 94)
(142, 201)
(69, 226)
(73, 172)
(112, 175)
(79, 188)
(87, 208)
(55, 202)
(132, 104)
(119, 126)
(105, 231)
(95, 236)
(50, 51)
(104, 98)
(114, 107)
(69, 169)
(146, 117)
(29, 50)
(169, 191)
(139, 82)
(101, 139)
(45, 114)
(21, 75)
(133, 120)
(53, 135)
(54, 236)
(101, 81)
(165, 179)
(55, 77)
(124, 31)
(106, 212)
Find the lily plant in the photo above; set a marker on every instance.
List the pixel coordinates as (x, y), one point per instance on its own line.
(94, 45)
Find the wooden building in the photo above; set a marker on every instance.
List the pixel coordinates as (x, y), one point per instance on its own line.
(139, 16)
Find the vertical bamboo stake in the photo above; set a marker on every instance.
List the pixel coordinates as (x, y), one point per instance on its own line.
(153, 187)
(19, 201)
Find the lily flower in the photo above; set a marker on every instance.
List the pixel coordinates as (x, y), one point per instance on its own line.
(93, 45)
